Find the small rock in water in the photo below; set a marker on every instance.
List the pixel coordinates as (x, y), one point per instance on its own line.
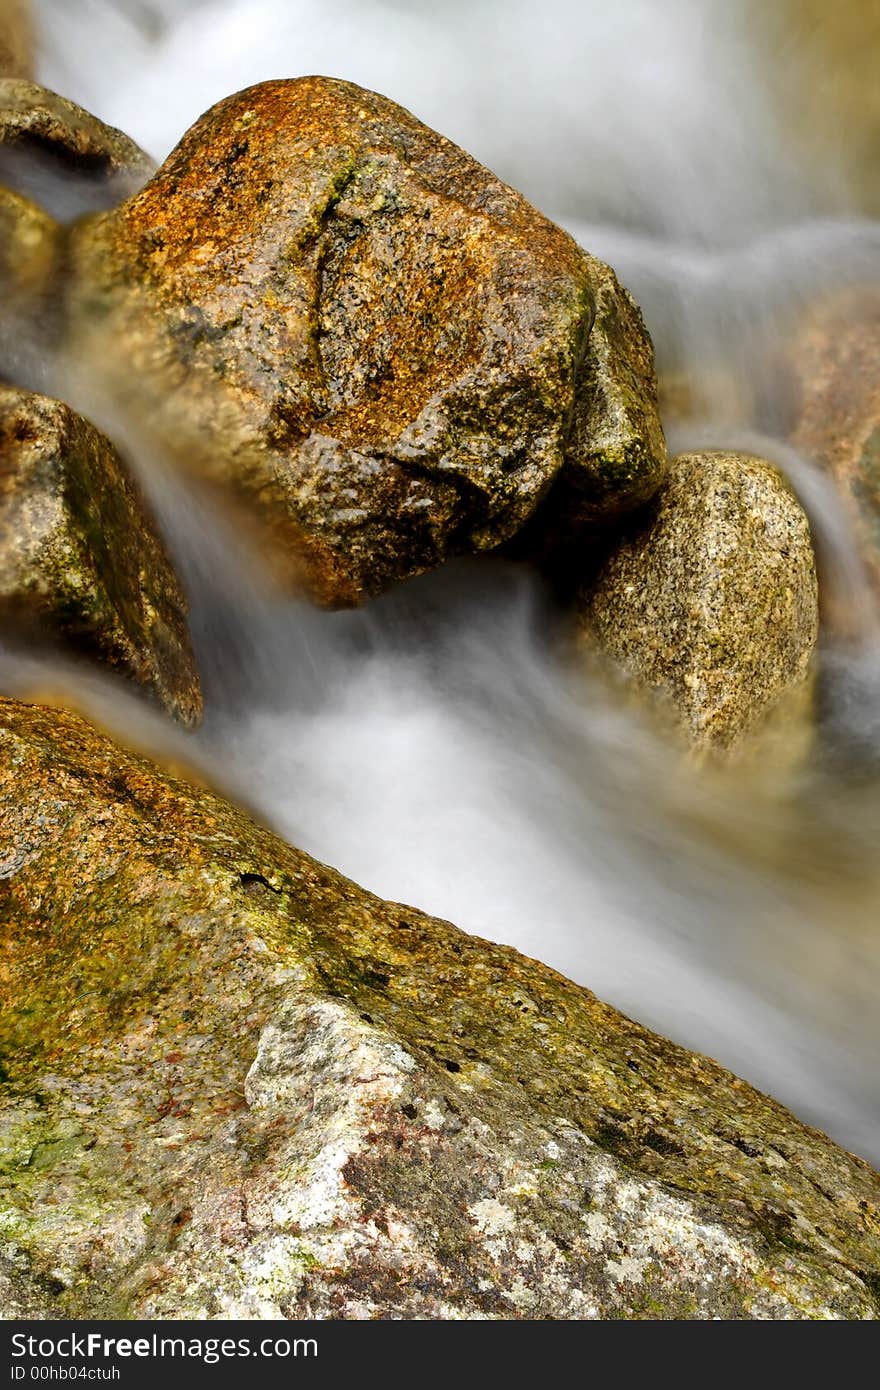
(333, 314)
(712, 600)
(80, 559)
(245, 1088)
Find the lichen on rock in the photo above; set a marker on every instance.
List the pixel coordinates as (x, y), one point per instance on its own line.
(344, 322)
(711, 600)
(237, 1085)
(80, 557)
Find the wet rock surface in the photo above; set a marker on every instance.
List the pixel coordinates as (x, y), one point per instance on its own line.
(80, 558)
(826, 95)
(333, 314)
(712, 601)
(237, 1085)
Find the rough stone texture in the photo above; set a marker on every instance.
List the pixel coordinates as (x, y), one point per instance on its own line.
(707, 394)
(712, 601)
(616, 426)
(833, 361)
(44, 138)
(237, 1085)
(16, 46)
(80, 556)
(331, 312)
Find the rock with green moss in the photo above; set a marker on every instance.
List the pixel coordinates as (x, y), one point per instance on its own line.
(58, 153)
(80, 558)
(346, 324)
(711, 600)
(237, 1085)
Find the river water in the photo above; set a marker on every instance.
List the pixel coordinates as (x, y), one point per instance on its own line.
(440, 746)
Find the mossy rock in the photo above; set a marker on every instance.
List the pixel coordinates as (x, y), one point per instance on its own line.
(54, 150)
(80, 557)
(237, 1085)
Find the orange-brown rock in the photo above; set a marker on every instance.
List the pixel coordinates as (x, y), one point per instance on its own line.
(332, 313)
(80, 559)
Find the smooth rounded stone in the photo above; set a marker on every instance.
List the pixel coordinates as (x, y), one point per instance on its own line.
(80, 558)
(16, 39)
(237, 1085)
(711, 601)
(338, 318)
(833, 376)
(61, 156)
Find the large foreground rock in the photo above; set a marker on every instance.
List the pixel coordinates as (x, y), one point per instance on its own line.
(712, 600)
(80, 558)
(235, 1084)
(333, 314)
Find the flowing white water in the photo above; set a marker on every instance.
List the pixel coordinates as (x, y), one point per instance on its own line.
(439, 746)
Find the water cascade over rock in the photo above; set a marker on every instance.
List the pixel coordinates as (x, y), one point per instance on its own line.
(323, 359)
